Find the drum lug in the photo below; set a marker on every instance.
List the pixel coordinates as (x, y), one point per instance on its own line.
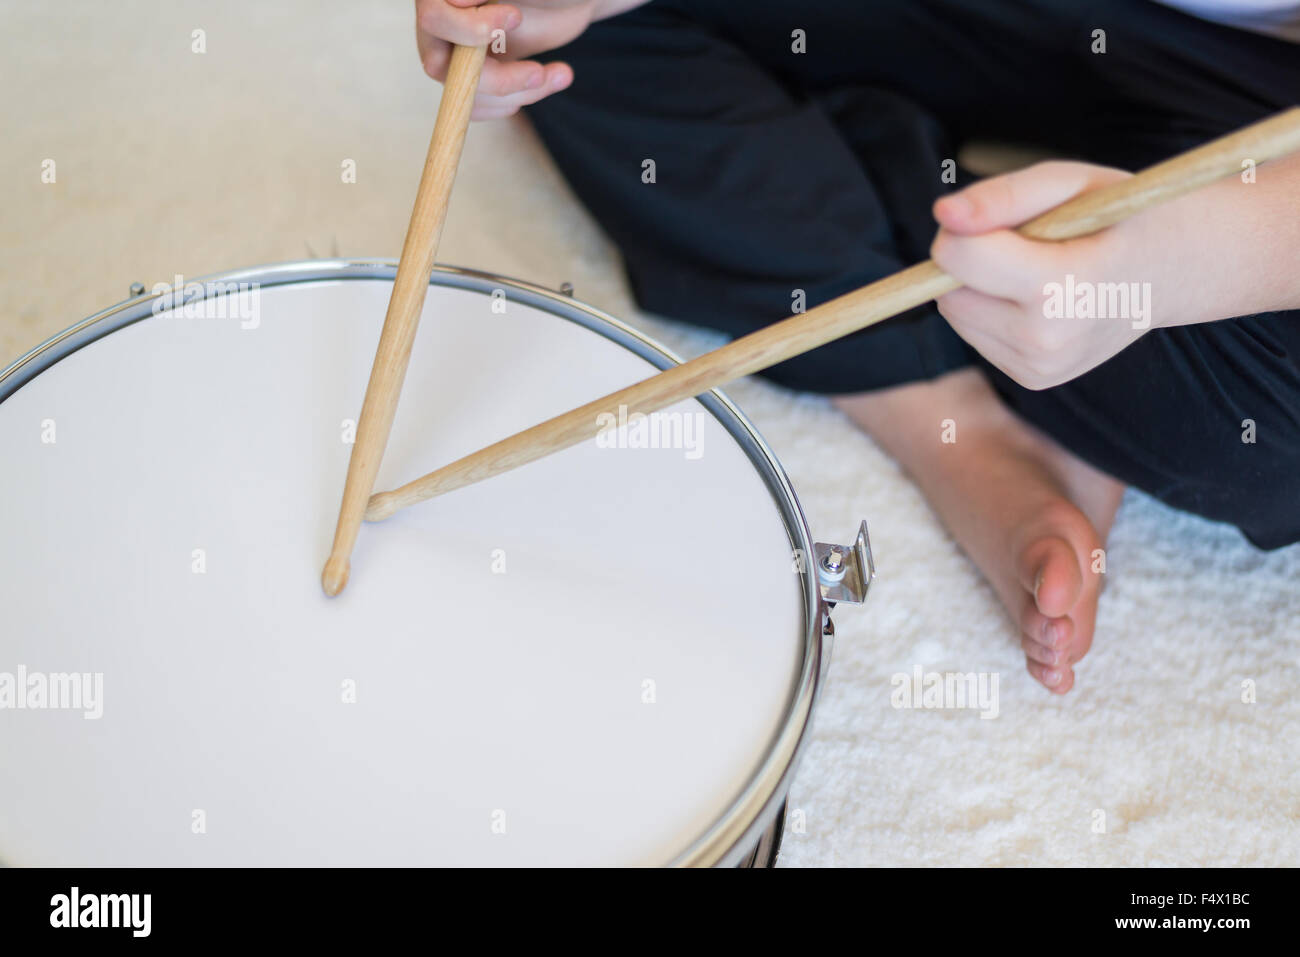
(828, 641)
(845, 572)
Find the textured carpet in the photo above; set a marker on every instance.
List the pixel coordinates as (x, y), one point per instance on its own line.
(169, 161)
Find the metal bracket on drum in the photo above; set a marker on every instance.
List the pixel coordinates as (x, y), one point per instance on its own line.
(845, 573)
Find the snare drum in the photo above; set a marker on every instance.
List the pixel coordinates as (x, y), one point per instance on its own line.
(608, 657)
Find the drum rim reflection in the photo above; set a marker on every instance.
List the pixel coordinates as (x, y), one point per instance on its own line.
(732, 835)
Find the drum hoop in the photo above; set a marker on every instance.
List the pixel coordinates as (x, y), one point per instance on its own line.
(730, 837)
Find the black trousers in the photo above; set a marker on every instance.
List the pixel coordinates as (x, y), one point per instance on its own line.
(777, 171)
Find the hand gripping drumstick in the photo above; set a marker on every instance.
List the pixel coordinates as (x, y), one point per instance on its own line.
(1087, 213)
(409, 289)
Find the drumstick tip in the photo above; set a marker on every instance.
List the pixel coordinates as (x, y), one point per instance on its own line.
(335, 576)
(380, 506)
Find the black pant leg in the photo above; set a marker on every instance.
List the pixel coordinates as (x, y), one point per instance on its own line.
(755, 197)
(1170, 81)
(987, 68)
(1204, 418)
(1025, 71)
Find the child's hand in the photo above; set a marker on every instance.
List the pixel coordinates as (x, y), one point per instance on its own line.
(1025, 305)
(530, 27)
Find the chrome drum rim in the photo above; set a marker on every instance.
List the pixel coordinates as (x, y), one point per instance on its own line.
(734, 836)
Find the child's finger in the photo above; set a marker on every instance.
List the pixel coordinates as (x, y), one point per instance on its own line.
(998, 330)
(504, 78)
(995, 322)
(1009, 200)
(469, 26)
(1000, 263)
(434, 56)
(557, 76)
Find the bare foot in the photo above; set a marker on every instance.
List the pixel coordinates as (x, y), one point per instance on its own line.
(1030, 514)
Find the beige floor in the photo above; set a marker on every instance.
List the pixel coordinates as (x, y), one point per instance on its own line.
(170, 161)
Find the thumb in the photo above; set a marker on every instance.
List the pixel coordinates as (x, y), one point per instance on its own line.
(1001, 202)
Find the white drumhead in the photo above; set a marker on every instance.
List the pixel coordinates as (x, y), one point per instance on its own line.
(583, 661)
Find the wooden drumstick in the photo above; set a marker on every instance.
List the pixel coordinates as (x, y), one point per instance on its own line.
(1084, 214)
(405, 305)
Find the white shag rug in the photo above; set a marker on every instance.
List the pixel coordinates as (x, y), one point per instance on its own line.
(171, 161)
